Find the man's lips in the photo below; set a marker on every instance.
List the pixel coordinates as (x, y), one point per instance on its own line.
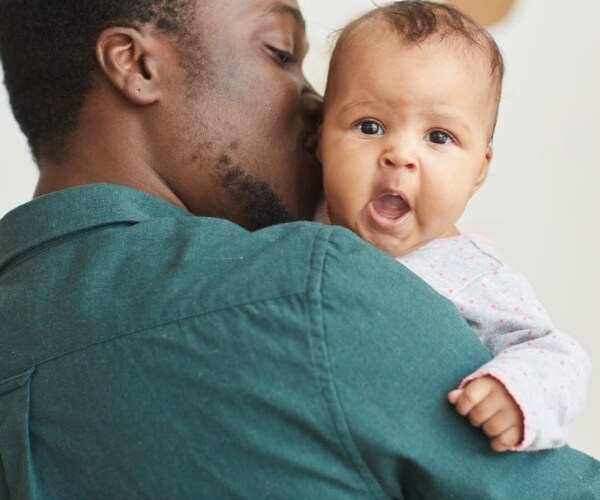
(309, 144)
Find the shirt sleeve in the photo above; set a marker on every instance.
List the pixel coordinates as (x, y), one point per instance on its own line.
(545, 370)
(389, 349)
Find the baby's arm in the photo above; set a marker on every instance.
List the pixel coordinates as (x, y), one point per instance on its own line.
(544, 372)
(487, 404)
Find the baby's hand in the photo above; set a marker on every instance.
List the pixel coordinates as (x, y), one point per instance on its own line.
(488, 405)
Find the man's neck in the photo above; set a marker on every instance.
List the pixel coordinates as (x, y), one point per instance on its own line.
(112, 148)
(64, 176)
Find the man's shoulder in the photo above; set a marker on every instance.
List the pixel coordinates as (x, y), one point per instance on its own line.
(296, 244)
(279, 259)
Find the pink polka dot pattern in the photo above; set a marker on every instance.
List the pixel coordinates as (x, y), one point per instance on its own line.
(544, 370)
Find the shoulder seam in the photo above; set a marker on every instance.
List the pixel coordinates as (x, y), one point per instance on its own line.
(323, 372)
(487, 253)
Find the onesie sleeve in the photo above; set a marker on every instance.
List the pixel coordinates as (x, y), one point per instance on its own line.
(545, 370)
(387, 349)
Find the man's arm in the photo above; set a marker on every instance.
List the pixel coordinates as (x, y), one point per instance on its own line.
(393, 350)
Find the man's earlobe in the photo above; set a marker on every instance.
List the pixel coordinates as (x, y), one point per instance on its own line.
(125, 58)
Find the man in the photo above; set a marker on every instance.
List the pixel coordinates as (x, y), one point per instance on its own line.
(147, 352)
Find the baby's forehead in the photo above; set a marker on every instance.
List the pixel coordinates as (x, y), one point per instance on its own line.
(378, 29)
(362, 43)
(367, 51)
(408, 32)
(359, 39)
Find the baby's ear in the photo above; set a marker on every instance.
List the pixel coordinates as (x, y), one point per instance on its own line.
(489, 154)
(485, 166)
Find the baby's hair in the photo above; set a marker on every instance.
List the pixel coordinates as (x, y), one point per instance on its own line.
(416, 20)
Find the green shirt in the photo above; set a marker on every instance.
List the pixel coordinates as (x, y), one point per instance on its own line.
(149, 353)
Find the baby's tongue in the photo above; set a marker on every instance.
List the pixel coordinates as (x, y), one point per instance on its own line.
(391, 206)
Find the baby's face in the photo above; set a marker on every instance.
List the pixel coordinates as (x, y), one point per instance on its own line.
(405, 139)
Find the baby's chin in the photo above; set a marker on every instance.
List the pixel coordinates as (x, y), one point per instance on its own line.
(389, 244)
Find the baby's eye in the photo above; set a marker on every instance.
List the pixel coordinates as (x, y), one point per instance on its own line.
(370, 127)
(439, 137)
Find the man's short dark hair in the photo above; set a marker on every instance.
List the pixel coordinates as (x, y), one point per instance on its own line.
(47, 48)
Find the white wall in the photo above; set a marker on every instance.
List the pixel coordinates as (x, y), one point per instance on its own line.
(538, 203)
(18, 174)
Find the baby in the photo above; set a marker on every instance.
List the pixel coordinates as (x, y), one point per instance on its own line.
(410, 109)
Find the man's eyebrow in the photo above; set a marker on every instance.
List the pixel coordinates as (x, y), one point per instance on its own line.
(283, 8)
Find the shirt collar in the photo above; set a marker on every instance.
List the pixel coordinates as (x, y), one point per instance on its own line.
(72, 210)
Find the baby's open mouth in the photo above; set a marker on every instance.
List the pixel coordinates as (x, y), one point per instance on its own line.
(391, 206)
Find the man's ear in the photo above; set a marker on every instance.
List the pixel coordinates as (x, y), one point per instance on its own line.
(485, 166)
(126, 59)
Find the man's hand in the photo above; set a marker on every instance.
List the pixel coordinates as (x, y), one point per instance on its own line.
(487, 404)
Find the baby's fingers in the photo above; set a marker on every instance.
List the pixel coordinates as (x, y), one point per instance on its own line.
(507, 440)
(475, 392)
(454, 395)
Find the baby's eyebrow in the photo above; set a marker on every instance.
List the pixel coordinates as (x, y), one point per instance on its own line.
(356, 104)
(284, 8)
(447, 117)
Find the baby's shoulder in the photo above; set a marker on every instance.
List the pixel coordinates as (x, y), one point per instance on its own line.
(459, 260)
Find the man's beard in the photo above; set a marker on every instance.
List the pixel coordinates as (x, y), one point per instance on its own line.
(261, 205)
